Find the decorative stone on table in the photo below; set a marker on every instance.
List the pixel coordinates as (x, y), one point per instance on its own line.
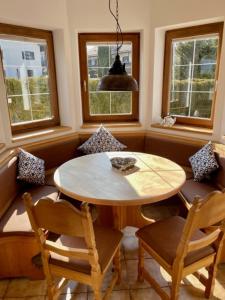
(123, 164)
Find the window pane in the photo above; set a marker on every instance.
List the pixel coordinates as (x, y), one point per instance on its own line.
(26, 76)
(200, 104)
(100, 57)
(206, 51)
(103, 56)
(183, 52)
(19, 109)
(41, 108)
(178, 104)
(121, 103)
(181, 78)
(192, 77)
(99, 103)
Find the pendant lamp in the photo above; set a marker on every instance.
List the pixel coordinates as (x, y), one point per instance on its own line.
(117, 78)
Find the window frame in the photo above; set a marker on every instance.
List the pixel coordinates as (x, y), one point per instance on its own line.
(84, 38)
(188, 32)
(34, 33)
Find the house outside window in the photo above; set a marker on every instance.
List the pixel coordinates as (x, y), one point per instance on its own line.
(30, 86)
(97, 54)
(191, 72)
(28, 55)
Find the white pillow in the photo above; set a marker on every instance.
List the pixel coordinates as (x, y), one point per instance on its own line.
(31, 169)
(203, 162)
(101, 141)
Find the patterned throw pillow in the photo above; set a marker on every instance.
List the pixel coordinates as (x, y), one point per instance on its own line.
(203, 162)
(31, 169)
(101, 141)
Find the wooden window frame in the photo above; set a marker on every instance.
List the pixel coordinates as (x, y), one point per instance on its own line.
(214, 28)
(28, 32)
(108, 37)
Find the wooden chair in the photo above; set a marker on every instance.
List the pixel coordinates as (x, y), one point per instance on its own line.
(71, 247)
(182, 248)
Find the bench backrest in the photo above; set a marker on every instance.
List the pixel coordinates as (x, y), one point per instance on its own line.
(9, 187)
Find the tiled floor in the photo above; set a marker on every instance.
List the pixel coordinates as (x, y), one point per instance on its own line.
(129, 289)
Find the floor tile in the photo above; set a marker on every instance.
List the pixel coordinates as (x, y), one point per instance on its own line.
(130, 247)
(115, 295)
(108, 276)
(221, 273)
(74, 287)
(190, 292)
(152, 267)
(36, 288)
(3, 287)
(17, 288)
(80, 296)
(123, 284)
(144, 294)
(26, 288)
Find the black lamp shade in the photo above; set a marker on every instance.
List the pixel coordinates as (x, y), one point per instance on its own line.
(117, 83)
(117, 79)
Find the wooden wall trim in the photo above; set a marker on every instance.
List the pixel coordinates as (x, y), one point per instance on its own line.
(184, 139)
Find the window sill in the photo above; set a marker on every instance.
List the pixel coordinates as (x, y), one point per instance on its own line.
(38, 133)
(110, 125)
(185, 128)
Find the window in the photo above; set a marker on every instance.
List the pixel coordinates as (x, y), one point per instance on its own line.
(30, 73)
(29, 77)
(28, 55)
(191, 67)
(97, 53)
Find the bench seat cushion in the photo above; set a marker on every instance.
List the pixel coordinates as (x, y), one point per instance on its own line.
(192, 188)
(15, 221)
(49, 177)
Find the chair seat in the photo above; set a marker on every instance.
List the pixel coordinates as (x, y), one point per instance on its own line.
(192, 188)
(107, 240)
(164, 237)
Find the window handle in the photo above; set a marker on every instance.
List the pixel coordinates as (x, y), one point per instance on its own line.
(85, 86)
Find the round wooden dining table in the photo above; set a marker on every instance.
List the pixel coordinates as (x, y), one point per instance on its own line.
(119, 196)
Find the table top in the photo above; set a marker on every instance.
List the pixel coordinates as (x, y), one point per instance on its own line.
(91, 178)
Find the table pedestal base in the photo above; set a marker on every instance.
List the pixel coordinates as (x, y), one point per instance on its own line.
(121, 216)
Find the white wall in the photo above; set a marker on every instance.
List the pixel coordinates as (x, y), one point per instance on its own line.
(150, 17)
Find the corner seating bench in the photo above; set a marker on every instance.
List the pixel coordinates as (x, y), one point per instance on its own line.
(17, 242)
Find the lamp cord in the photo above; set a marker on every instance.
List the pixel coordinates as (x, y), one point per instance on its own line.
(118, 28)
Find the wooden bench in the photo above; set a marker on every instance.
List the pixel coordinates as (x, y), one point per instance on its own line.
(17, 241)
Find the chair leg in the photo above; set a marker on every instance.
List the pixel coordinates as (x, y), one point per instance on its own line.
(51, 293)
(117, 265)
(140, 262)
(211, 281)
(175, 287)
(97, 293)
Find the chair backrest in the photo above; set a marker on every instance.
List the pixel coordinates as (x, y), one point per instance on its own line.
(208, 214)
(62, 218)
(59, 217)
